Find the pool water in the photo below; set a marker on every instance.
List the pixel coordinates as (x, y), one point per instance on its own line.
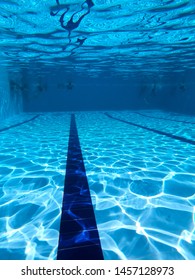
(140, 171)
(33, 158)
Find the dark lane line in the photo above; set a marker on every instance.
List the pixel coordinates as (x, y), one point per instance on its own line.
(162, 118)
(79, 237)
(18, 124)
(182, 139)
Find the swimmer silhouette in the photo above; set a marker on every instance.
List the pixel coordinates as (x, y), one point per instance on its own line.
(17, 86)
(69, 86)
(14, 86)
(182, 87)
(71, 24)
(40, 88)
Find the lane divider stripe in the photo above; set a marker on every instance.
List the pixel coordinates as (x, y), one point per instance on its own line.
(18, 124)
(160, 118)
(79, 237)
(175, 137)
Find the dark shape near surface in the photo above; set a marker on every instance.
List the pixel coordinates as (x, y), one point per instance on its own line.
(79, 238)
(81, 41)
(71, 24)
(89, 3)
(54, 10)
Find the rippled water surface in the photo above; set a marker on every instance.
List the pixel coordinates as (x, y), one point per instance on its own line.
(94, 35)
(142, 184)
(140, 165)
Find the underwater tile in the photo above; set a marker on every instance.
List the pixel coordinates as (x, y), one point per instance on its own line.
(77, 201)
(81, 253)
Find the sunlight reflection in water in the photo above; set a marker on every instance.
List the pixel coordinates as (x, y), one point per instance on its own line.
(142, 185)
(33, 158)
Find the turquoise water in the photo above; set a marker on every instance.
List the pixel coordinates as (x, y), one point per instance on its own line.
(33, 158)
(101, 154)
(142, 184)
(113, 37)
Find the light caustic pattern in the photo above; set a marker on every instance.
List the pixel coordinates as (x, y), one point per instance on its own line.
(121, 36)
(32, 167)
(174, 124)
(142, 186)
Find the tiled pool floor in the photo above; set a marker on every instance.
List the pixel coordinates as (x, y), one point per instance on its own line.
(140, 178)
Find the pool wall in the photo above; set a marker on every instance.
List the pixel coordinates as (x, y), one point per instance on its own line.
(172, 92)
(34, 93)
(10, 101)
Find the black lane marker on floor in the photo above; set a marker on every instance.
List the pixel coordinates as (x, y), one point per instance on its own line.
(79, 238)
(162, 118)
(189, 141)
(18, 124)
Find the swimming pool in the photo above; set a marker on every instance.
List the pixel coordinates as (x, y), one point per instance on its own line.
(140, 170)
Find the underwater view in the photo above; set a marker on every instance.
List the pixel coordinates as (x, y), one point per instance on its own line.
(97, 130)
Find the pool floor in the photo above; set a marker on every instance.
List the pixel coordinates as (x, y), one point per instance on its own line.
(115, 185)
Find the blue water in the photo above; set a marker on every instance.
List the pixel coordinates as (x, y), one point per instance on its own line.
(97, 135)
(32, 177)
(142, 184)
